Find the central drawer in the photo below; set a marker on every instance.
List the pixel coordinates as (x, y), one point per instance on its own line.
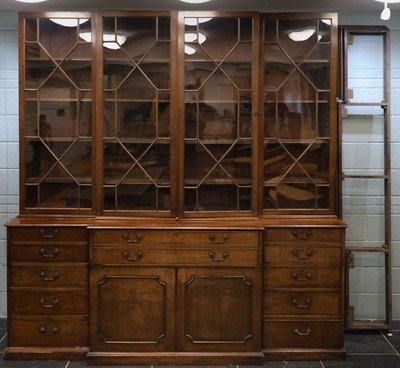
(162, 255)
(177, 237)
(175, 247)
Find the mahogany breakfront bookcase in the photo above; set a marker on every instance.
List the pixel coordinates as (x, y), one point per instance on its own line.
(178, 189)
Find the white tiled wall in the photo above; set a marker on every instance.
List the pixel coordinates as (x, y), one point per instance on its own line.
(366, 288)
(9, 185)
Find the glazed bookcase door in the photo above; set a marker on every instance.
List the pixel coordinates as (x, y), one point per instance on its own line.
(299, 113)
(137, 105)
(56, 113)
(217, 57)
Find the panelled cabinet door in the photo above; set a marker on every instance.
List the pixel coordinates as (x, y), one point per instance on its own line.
(56, 97)
(132, 309)
(219, 310)
(298, 97)
(217, 56)
(137, 109)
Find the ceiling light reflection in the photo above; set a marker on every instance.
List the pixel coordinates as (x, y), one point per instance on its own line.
(69, 22)
(302, 35)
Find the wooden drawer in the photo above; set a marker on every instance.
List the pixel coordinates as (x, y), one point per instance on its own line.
(297, 277)
(48, 276)
(302, 334)
(45, 302)
(176, 237)
(48, 332)
(48, 253)
(302, 235)
(206, 256)
(48, 234)
(303, 255)
(302, 303)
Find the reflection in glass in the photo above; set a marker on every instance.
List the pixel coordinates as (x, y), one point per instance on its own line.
(296, 114)
(58, 114)
(218, 111)
(136, 125)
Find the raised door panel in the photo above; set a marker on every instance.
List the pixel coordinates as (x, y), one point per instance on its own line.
(132, 309)
(219, 310)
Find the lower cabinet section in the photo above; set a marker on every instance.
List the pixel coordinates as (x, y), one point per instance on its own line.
(192, 315)
(214, 295)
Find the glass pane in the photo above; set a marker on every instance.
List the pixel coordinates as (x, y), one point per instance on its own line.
(367, 299)
(51, 194)
(365, 57)
(137, 98)
(73, 45)
(363, 146)
(217, 198)
(291, 120)
(58, 114)
(296, 113)
(218, 114)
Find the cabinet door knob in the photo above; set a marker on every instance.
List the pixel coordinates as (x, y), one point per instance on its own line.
(302, 234)
(132, 259)
(214, 239)
(303, 276)
(49, 278)
(302, 255)
(216, 259)
(50, 252)
(48, 233)
(48, 331)
(48, 305)
(307, 332)
(305, 303)
(137, 238)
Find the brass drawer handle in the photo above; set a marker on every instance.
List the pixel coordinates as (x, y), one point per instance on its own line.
(49, 278)
(137, 239)
(49, 252)
(215, 259)
(304, 304)
(48, 305)
(132, 259)
(48, 233)
(307, 254)
(48, 332)
(302, 276)
(307, 332)
(214, 239)
(302, 234)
